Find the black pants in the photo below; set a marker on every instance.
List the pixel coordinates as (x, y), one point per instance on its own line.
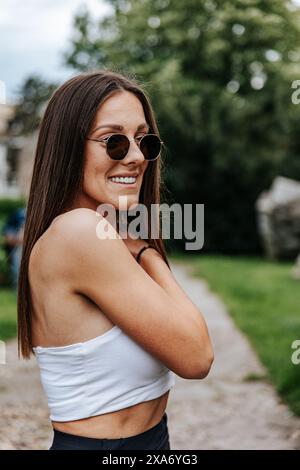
(156, 438)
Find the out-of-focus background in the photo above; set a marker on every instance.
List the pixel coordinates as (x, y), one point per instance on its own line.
(224, 80)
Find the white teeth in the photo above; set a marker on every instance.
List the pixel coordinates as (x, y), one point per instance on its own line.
(123, 179)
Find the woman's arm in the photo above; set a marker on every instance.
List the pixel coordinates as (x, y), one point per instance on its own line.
(152, 262)
(155, 312)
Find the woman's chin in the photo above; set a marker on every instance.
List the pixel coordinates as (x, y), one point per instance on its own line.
(126, 202)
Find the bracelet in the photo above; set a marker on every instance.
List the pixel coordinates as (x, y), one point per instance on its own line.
(141, 251)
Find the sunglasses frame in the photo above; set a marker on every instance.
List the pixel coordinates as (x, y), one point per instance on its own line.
(133, 140)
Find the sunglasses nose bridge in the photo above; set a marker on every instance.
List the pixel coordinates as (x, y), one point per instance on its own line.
(137, 149)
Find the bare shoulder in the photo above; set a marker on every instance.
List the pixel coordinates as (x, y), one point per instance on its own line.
(72, 222)
(81, 230)
(69, 234)
(79, 239)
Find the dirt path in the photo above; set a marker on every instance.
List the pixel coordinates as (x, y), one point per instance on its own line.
(221, 412)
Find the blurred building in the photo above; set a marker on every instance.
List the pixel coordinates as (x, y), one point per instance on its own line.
(8, 155)
(16, 157)
(25, 163)
(278, 217)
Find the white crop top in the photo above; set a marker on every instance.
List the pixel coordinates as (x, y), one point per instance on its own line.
(103, 374)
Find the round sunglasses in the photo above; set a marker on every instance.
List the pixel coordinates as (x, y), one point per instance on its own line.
(117, 146)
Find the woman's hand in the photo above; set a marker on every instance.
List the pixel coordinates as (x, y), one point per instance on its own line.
(134, 246)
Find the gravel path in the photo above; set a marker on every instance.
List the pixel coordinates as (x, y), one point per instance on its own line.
(223, 411)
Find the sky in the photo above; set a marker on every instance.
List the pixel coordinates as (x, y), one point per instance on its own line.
(33, 36)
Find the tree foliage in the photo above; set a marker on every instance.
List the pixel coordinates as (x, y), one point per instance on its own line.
(219, 74)
(34, 93)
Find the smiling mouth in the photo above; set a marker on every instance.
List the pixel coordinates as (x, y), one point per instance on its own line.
(128, 180)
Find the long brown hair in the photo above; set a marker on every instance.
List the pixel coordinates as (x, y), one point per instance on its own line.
(58, 169)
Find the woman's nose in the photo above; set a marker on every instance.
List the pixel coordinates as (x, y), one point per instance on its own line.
(134, 152)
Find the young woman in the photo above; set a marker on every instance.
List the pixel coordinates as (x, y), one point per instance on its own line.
(109, 331)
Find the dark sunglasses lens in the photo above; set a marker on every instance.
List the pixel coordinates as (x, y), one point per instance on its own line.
(150, 146)
(117, 146)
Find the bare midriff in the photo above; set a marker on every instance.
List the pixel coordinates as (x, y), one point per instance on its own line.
(123, 423)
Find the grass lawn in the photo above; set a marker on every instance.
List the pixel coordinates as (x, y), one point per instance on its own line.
(8, 313)
(264, 301)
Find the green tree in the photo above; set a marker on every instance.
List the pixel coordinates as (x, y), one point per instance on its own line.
(219, 74)
(34, 93)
